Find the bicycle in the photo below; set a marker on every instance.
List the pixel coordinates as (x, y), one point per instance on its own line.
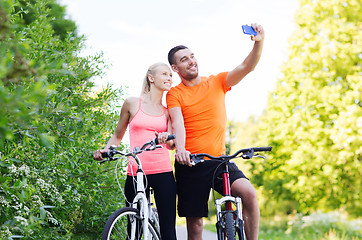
(230, 223)
(140, 221)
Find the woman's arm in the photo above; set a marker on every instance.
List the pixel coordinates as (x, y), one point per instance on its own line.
(120, 130)
(171, 143)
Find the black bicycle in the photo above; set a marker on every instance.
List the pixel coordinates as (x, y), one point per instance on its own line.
(230, 223)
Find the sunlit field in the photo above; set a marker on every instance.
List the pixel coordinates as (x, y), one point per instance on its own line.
(326, 226)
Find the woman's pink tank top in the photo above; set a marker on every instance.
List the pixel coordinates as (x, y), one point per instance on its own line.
(142, 129)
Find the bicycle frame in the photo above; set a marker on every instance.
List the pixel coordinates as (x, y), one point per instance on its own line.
(227, 200)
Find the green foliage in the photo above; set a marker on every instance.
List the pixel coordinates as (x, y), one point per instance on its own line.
(328, 226)
(62, 27)
(314, 119)
(51, 122)
(243, 135)
(316, 226)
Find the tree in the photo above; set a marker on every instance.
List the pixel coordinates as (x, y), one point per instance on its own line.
(51, 122)
(242, 135)
(313, 118)
(62, 27)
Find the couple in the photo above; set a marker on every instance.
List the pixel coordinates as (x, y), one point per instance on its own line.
(196, 115)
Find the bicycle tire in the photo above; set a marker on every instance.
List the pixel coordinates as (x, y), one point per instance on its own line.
(226, 228)
(230, 226)
(117, 226)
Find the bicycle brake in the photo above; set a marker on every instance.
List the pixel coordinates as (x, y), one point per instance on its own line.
(195, 160)
(260, 156)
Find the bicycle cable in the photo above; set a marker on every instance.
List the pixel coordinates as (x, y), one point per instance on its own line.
(214, 175)
(134, 180)
(117, 178)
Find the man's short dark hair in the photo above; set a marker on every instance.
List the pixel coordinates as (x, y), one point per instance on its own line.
(172, 52)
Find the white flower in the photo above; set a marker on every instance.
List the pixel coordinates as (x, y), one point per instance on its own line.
(4, 202)
(17, 206)
(12, 168)
(24, 170)
(21, 220)
(53, 220)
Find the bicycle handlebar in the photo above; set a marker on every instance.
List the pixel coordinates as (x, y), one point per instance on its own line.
(169, 137)
(148, 146)
(246, 153)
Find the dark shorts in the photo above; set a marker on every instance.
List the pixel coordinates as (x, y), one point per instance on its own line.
(194, 184)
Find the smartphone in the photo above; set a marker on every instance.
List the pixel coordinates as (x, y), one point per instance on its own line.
(249, 30)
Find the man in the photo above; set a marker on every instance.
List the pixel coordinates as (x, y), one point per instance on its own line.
(198, 115)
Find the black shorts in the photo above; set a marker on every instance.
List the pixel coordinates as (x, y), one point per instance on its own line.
(194, 184)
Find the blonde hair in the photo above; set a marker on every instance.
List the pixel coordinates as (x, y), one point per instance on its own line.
(146, 87)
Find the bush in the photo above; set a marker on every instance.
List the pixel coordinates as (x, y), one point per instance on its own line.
(51, 122)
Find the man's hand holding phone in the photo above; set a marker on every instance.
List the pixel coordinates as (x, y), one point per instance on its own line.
(249, 30)
(255, 31)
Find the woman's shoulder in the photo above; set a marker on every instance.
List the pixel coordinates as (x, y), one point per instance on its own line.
(131, 100)
(131, 103)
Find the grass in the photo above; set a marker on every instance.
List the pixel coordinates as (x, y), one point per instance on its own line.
(317, 226)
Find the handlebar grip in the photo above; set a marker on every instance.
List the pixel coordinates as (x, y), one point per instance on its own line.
(105, 155)
(170, 137)
(262, 149)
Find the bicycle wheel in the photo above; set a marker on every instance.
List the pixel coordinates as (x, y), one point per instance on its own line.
(227, 229)
(154, 219)
(121, 223)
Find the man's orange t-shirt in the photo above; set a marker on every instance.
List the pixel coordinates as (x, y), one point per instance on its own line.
(204, 113)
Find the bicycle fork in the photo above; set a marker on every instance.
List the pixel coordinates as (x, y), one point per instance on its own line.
(227, 201)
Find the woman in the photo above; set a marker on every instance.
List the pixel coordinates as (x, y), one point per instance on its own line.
(147, 118)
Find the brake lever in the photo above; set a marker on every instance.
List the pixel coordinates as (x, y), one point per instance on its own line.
(153, 147)
(249, 154)
(260, 156)
(103, 161)
(108, 160)
(195, 160)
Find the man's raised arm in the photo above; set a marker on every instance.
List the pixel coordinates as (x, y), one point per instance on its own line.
(248, 65)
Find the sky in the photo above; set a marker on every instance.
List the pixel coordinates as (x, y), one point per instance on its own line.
(135, 34)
